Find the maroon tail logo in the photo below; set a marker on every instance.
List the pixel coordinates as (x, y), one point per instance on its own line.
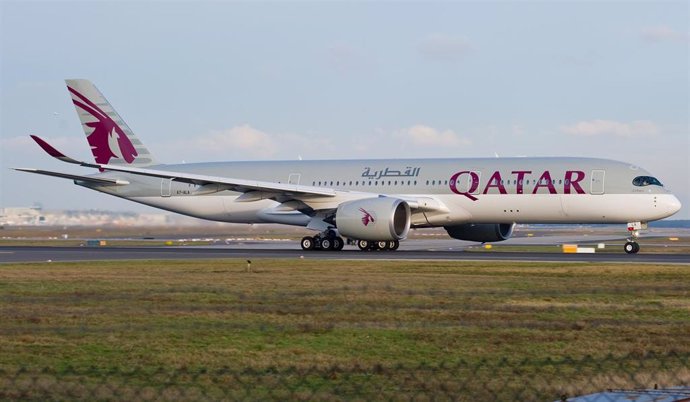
(367, 218)
(107, 139)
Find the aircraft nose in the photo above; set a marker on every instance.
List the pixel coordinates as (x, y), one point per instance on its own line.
(671, 204)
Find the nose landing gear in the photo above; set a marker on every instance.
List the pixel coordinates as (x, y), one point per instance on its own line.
(631, 246)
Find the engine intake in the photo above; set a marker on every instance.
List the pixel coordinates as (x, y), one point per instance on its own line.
(481, 232)
(383, 218)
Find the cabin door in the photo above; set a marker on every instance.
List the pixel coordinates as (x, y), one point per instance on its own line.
(294, 178)
(166, 187)
(597, 182)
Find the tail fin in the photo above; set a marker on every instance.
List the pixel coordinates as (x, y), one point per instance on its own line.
(112, 141)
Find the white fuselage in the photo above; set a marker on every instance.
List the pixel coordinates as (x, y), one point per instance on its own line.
(442, 192)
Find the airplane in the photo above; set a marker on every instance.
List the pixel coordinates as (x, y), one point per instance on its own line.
(373, 202)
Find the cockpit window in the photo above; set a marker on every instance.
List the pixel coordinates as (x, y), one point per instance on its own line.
(642, 181)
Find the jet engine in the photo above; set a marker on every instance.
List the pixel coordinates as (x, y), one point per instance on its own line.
(376, 219)
(481, 232)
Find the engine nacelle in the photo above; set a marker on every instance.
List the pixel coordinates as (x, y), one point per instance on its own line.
(481, 232)
(383, 218)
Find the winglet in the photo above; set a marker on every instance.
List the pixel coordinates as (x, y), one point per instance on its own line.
(50, 150)
(47, 147)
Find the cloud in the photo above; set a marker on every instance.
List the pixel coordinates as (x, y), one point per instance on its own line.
(13, 144)
(245, 142)
(238, 140)
(425, 136)
(591, 128)
(442, 47)
(72, 146)
(663, 33)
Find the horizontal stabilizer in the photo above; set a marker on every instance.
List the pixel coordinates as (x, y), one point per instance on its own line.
(90, 179)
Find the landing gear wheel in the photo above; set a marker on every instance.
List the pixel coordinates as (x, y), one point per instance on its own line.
(363, 245)
(326, 244)
(307, 243)
(381, 245)
(338, 243)
(631, 247)
(393, 245)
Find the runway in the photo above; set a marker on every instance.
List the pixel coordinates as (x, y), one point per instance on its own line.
(55, 254)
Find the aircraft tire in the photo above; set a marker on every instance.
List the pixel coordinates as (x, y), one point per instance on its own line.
(363, 245)
(381, 245)
(631, 247)
(338, 243)
(393, 245)
(326, 244)
(307, 243)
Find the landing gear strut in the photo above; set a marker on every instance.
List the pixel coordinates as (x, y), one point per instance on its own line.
(631, 246)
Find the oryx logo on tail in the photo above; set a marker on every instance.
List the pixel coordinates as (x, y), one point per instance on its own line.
(107, 140)
(367, 218)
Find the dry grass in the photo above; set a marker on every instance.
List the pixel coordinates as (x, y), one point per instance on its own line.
(184, 315)
(301, 312)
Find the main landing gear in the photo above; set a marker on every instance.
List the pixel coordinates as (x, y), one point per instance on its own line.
(366, 245)
(631, 246)
(323, 241)
(330, 241)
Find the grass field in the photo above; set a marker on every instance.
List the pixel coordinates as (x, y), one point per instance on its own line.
(310, 313)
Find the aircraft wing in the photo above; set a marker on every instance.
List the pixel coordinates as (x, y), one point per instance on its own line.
(90, 179)
(317, 198)
(285, 191)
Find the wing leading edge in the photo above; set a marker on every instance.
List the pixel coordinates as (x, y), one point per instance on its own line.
(89, 179)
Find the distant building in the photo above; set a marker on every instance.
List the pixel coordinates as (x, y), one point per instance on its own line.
(34, 216)
(21, 216)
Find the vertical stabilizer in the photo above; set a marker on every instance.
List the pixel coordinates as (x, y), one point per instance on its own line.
(111, 140)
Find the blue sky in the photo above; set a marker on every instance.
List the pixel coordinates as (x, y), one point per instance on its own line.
(244, 81)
